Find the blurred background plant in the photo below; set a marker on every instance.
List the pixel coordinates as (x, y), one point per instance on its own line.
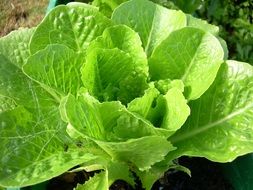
(234, 18)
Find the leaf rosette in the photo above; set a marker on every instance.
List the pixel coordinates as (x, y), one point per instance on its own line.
(125, 94)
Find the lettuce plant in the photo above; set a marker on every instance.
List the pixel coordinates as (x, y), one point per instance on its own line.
(125, 94)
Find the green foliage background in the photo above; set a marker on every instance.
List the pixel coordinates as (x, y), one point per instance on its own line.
(234, 18)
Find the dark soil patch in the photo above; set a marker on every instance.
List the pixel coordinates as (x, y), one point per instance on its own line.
(206, 175)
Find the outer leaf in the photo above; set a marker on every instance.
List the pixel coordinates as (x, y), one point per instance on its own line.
(116, 169)
(137, 151)
(14, 46)
(202, 24)
(220, 126)
(112, 74)
(36, 145)
(31, 131)
(15, 85)
(152, 22)
(6, 103)
(200, 57)
(75, 26)
(99, 181)
(119, 170)
(57, 68)
(148, 177)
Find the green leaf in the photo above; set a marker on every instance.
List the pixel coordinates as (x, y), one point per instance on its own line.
(200, 57)
(157, 171)
(164, 85)
(121, 124)
(111, 74)
(56, 68)
(74, 25)
(124, 39)
(15, 45)
(168, 111)
(6, 103)
(33, 137)
(14, 85)
(116, 67)
(137, 151)
(202, 24)
(150, 176)
(83, 115)
(107, 6)
(152, 22)
(144, 104)
(177, 110)
(119, 171)
(220, 126)
(33, 149)
(109, 121)
(99, 181)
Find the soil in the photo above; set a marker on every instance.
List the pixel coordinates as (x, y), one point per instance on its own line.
(206, 175)
(20, 13)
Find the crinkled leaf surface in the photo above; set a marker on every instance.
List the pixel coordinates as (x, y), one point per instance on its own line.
(15, 46)
(15, 86)
(111, 74)
(36, 144)
(220, 126)
(116, 66)
(138, 151)
(126, 40)
(57, 68)
(189, 54)
(109, 121)
(164, 85)
(121, 124)
(152, 22)
(74, 25)
(6, 103)
(33, 149)
(32, 134)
